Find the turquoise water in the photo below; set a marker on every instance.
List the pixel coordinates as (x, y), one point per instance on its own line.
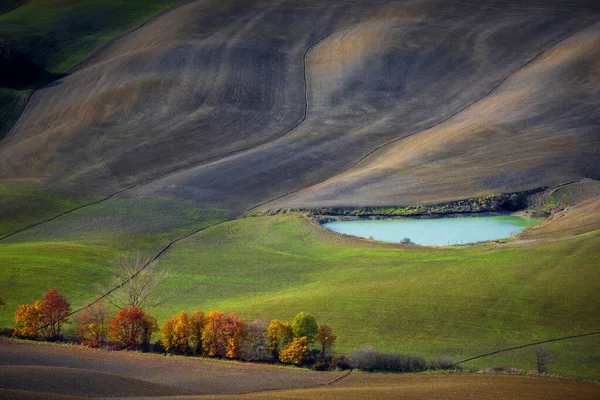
(435, 232)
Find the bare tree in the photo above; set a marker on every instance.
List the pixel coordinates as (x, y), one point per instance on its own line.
(543, 357)
(136, 279)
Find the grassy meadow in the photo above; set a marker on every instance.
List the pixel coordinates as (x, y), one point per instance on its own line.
(459, 301)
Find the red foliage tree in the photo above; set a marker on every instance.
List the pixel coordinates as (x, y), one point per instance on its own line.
(55, 310)
(132, 326)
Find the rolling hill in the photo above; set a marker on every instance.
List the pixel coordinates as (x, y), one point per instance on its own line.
(154, 126)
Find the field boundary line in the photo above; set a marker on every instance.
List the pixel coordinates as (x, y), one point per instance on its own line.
(525, 345)
(464, 108)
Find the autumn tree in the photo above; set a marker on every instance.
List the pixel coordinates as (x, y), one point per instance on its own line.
(132, 326)
(305, 325)
(214, 341)
(55, 311)
(176, 333)
(223, 335)
(137, 279)
(236, 330)
(92, 324)
(279, 335)
(295, 352)
(325, 338)
(28, 320)
(196, 328)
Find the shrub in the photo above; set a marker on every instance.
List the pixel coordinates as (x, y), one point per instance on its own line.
(372, 360)
(341, 362)
(443, 363)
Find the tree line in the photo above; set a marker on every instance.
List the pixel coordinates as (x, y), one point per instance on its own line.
(211, 334)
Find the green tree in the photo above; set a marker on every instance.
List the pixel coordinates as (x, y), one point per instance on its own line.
(305, 325)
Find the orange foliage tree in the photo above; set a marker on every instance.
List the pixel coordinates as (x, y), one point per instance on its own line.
(28, 320)
(279, 335)
(132, 326)
(223, 335)
(236, 330)
(55, 311)
(214, 341)
(325, 338)
(92, 324)
(295, 352)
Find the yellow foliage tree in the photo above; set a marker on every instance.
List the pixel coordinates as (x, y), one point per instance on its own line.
(166, 333)
(279, 335)
(28, 320)
(295, 352)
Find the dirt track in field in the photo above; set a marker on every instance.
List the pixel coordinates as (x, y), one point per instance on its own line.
(42, 371)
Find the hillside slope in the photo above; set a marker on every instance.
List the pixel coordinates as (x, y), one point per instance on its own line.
(250, 101)
(538, 128)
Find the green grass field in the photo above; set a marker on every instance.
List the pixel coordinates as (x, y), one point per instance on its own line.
(24, 203)
(459, 301)
(454, 301)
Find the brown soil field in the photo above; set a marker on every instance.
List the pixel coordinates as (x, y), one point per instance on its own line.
(236, 103)
(74, 370)
(66, 372)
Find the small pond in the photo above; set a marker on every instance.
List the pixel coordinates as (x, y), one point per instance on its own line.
(435, 232)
